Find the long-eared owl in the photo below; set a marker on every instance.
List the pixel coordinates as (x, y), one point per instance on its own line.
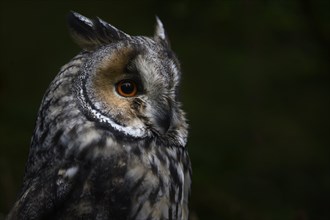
(110, 135)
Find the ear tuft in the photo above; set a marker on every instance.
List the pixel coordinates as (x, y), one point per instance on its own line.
(160, 33)
(90, 34)
(107, 32)
(82, 30)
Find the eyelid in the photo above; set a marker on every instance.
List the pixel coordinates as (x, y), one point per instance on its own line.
(136, 79)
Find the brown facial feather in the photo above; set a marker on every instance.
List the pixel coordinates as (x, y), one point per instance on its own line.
(110, 72)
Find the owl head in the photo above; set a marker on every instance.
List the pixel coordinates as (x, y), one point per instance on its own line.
(129, 83)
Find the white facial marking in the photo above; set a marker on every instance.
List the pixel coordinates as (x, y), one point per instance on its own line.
(137, 131)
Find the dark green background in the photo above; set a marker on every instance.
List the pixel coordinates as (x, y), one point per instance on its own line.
(255, 88)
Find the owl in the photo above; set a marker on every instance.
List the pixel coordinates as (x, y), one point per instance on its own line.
(110, 135)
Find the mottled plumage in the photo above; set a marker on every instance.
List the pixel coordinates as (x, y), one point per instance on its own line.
(110, 136)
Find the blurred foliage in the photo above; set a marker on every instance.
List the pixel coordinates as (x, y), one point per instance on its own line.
(255, 88)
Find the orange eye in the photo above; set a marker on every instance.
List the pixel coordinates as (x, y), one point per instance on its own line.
(126, 88)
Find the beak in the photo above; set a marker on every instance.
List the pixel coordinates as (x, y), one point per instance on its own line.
(163, 117)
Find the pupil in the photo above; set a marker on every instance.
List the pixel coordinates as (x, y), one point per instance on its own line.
(127, 87)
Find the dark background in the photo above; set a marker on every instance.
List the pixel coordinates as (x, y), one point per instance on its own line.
(255, 89)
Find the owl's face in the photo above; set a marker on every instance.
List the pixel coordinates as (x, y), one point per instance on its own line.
(129, 82)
